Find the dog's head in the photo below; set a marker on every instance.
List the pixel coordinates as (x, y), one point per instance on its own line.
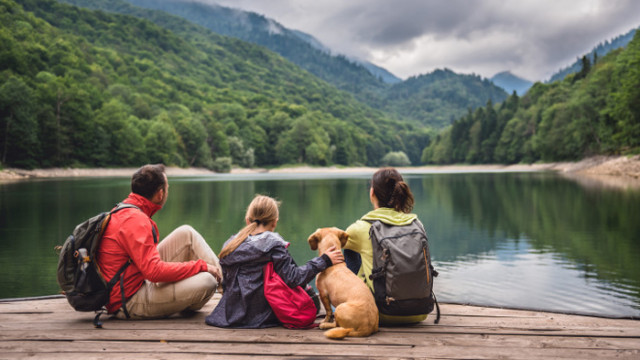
(325, 238)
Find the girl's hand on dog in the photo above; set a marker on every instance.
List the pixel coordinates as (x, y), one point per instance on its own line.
(335, 255)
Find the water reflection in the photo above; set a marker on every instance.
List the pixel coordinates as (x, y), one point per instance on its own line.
(534, 241)
(528, 240)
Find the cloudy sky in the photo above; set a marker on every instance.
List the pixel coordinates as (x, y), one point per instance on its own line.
(532, 38)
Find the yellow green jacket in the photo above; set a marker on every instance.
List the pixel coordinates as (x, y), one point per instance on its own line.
(360, 242)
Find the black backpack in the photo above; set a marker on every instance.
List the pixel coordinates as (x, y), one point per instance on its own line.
(402, 273)
(78, 274)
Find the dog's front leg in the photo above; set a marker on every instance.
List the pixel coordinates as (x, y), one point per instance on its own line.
(328, 322)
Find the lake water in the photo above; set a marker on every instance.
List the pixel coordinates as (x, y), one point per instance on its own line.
(521, 240)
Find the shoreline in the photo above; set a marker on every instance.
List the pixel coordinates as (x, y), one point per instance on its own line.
(609, 171)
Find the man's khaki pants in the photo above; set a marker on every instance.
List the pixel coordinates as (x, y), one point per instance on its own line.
(157, 300)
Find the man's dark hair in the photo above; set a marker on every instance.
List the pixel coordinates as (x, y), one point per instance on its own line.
(147, 180)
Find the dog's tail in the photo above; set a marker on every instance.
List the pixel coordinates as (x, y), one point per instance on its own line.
(338, 333)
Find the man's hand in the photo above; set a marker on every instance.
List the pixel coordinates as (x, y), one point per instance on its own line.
(335, 255)
(215, 271)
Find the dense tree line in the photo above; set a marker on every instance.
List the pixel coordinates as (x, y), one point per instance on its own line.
(595, 111)
(89, 88)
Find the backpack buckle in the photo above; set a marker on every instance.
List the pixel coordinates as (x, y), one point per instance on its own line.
(389, 299)
(377, 273)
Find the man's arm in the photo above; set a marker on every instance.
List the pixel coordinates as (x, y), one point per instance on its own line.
(140, 246)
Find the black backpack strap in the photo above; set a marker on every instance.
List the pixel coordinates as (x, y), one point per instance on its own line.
(124, 298)
(120, 206)
(437, 320)
(119, 276)
(96, 320)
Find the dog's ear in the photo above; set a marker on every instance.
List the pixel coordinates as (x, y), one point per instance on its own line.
(313, 240)
(343, 236)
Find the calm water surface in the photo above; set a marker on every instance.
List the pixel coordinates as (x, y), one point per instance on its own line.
(523, 240)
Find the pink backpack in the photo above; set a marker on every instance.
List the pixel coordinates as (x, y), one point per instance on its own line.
(293, 307)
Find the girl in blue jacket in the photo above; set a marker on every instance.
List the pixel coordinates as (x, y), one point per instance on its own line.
(243, 257)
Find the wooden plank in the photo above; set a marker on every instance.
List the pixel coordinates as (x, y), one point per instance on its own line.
(50, 328)
(345, 350)
(454, 314)
(622, 328)
(315, 337)
(628, 332)
(449, 310)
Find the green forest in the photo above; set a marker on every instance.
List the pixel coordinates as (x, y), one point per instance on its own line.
(89, 88)
(594, 111)
(434, 99)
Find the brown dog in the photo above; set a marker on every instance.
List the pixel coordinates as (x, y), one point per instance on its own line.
(355, 312)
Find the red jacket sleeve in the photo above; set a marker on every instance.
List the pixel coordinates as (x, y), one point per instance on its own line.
(145, 256)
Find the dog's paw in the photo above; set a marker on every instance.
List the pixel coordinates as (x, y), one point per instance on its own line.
(327, 325)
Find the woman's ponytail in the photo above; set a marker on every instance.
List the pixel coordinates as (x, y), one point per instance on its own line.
(401, 198)
(391, 190)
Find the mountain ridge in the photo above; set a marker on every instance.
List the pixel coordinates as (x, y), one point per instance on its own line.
(339, 70)
(599, 50)
(511, 82)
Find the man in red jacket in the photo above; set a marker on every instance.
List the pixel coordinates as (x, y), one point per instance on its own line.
(179, 274)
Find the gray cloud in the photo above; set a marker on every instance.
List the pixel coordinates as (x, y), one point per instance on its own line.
(533, 38)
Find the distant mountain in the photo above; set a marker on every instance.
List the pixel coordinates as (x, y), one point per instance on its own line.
(379, 72)
(340, 70)
(430, 106)
(511, 83)
(311, 40)
(598, 52)
(440, 97)
(299, 48)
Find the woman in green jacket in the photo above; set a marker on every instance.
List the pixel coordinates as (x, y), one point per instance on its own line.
(392, 202)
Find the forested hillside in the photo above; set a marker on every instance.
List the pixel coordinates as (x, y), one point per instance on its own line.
(254, 28)
(440, 96)
(599, 51)
(89, 88)
(595, 111)
(433, 99)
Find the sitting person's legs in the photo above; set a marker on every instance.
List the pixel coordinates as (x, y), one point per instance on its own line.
(184, 244)
(155, 300)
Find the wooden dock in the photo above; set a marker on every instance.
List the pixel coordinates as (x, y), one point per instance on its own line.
(49, 328)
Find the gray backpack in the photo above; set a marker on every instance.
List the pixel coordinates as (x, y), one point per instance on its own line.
(402, 273)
